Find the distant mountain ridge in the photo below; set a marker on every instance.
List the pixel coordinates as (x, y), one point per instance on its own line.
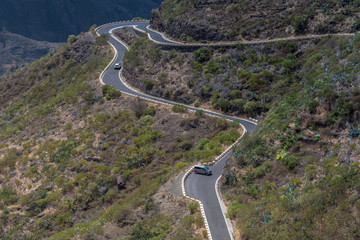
(17, 50)
(54, 20)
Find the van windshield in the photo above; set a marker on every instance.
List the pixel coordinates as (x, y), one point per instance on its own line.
(206, 168)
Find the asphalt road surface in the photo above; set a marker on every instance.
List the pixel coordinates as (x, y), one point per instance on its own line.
(197, 186)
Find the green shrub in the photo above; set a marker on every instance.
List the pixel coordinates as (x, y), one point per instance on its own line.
(32, 171)
(196, 104)
(194, 207)
(7, 195)
(3, 145)
(102, 40)
(188, 221)
(250, 107)
(92, 29)
(68, 126)
(65, 151)
(72, 39)
(149, 84)
(155, 228)
(236, 93)
(356, 25)
(312, 105)
(260, 171)
(199, 221)
(110, 92)
(299, 23)
(202, 142)
(354, 132)
(212, 67)
(179, 108)
(150, 111)
(311, 171)
(235, 124)
(200, 113)
(290, 160)
(234, 209)
(9, 159)
(179, 166)
(202, 55)
(221, 123)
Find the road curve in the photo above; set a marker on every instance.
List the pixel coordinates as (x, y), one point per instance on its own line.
(199, 187)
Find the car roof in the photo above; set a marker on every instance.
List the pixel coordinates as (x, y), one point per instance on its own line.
(199, 165)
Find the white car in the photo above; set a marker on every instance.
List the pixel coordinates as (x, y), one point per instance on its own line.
(117, 66)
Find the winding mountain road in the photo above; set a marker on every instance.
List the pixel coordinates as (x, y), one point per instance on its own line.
(199, 187)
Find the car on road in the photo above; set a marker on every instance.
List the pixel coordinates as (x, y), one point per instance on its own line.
(202, 169)
(117, 66)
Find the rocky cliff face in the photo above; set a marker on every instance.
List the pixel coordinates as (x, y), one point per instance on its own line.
(216, 20)
(54, 20)
(16, 50)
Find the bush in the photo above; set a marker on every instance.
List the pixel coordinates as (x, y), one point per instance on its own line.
(354, 132)
(150, 111)
(199, 113)
(199, 221)
(260, 171)
(356, 25)
(188, 221)
(9, 159)
(149, 84)
(179, 166)
(68, 126)
(202, 55)
(290, 160)
(102, 40)
(221, 123)
(311, 171)
(194, 207)
(110, 92)
(110, 196)
(234, 209)
(179, 108)
(250, 107)
(153, 228)
(72, 39)
(235, 124)
(236, 93)
(7, 195)
(299, 23)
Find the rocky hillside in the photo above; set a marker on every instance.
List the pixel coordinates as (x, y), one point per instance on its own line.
(215, 20)
(54, 20)
(244, 80)
(82, 161)
(16, 50)
(297, 176)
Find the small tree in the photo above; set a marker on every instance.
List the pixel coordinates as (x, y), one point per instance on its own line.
(110, 92)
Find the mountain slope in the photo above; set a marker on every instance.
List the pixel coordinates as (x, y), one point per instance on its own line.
(297, 176)
(54, 20)
(82, 161)
(215, 20)
(16, 50)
